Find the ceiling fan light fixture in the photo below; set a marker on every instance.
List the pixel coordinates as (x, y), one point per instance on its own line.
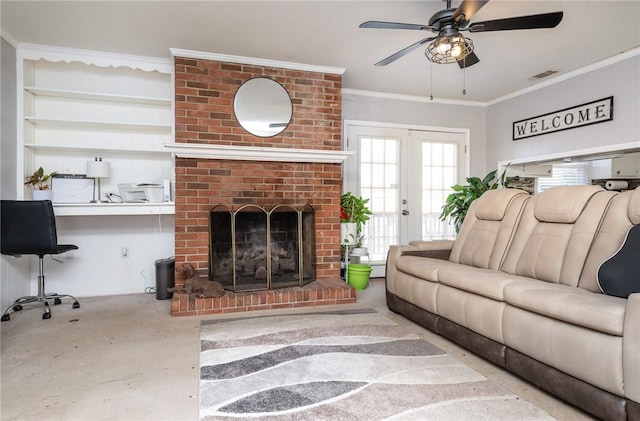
(449, 49)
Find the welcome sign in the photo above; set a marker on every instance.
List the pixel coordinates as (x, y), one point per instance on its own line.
(579, 116)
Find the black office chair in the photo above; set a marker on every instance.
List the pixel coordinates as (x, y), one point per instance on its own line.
(29, 227)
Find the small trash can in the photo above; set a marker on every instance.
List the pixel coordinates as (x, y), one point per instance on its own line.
(165, 277)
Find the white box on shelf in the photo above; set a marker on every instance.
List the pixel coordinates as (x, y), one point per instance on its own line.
(68, 188)
(140, 193)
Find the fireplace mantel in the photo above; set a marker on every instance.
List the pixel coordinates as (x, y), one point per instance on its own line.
(254, 153)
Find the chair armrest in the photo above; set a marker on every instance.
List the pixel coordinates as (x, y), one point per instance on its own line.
(631, 348)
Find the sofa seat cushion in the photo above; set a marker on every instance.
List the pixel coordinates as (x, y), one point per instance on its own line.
(577, 306)
(422, 267)
(485, 282)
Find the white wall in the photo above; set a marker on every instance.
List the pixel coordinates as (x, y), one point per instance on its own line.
(425, 113)
(97, 267)
(14, 273)
(9, 122)
(621, 79)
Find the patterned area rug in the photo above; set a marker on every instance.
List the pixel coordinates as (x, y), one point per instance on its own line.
(343, 365)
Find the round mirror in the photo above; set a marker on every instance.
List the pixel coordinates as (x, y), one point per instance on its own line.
(263, 107)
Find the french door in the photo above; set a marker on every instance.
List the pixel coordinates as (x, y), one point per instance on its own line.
(406, 174)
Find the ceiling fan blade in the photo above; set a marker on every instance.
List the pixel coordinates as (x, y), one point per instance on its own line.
(394, 25)
(468, 61)
(404, 51)
(467, 8)
(545, 20)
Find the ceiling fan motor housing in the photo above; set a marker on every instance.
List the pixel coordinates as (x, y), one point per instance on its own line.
(439, 19)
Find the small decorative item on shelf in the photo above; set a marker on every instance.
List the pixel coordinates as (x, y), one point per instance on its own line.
(353, 210)
(360, 251)
(348, 232)
(40, 181)
(98, 169)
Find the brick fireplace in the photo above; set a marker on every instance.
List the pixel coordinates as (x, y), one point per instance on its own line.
(219, 163)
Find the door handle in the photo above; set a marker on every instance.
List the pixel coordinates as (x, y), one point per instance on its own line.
(405, 212)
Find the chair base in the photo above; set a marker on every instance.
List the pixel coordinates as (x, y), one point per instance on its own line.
(42, 298)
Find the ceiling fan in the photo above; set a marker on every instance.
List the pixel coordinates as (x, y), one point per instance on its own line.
(449, 45)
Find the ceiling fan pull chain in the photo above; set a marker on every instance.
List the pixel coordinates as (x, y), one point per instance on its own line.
(431, 82)
(464, 77)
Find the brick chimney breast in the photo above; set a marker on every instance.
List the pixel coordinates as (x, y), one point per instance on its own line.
(204, 94)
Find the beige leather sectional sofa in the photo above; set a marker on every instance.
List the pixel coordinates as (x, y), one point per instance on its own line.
(519, 287)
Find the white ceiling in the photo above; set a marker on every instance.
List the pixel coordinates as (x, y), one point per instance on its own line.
(326, 33)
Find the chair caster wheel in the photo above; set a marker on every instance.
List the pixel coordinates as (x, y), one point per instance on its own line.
(46, 316)
(57, 301)
(6, 317)
(76, 305)
(17, 307)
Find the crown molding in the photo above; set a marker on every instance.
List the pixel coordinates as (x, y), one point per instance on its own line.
(414, 98)
(543, 84)
(10, 39)
(176, 52)
(569, 75)
(27, 51)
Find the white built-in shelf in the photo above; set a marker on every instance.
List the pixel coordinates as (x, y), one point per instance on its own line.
(56, 122)
(97, 149)
(104, 209)
(60, 93)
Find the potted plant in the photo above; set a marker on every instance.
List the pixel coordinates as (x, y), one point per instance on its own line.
(354, 213)
(457, 204)
(40, 181)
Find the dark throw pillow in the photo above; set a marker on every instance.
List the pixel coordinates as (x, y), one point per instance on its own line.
(620, 274)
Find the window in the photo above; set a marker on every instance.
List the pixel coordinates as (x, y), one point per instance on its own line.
(570, 174)
(439, 170)
(379, 172)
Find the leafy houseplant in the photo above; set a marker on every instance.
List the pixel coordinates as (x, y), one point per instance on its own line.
(39, 179)
(457, 203)
(354, 209)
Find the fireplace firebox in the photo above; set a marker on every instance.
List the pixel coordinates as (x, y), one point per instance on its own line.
(257, 248)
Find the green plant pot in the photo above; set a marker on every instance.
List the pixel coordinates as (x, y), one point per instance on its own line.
(358, 275)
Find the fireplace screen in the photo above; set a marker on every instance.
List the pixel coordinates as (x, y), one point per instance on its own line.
(253, 248)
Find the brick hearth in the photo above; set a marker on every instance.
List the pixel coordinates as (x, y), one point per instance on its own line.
(318, 293)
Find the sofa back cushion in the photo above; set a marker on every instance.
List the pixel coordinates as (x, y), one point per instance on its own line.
(488, 228)
(555, 233)
(622, 214)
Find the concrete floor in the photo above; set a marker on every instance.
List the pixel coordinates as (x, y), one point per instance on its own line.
(125, 358)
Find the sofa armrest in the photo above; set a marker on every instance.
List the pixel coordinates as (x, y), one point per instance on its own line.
(392, 255)
(439, 245)
(438, 249)
(631, 348)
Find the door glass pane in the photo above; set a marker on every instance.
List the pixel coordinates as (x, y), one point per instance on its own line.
(379, 182)
(439, 166)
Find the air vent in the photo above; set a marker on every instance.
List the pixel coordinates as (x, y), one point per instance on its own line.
(544, 74)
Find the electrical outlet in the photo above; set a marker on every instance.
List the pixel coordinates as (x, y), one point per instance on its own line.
(124, 252)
